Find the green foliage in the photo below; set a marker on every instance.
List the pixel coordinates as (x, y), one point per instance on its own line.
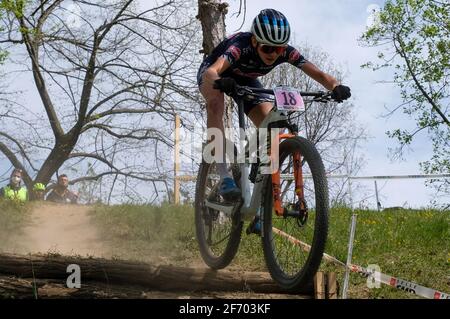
(408, 244)
(14, 6)
(12, 219)
(3, 56)
(416, 37)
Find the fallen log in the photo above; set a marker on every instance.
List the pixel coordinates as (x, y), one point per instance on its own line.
(17, 288)
(28, 288)
(129, 273)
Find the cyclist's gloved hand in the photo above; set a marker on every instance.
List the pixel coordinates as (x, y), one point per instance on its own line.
(341, 93)
(225, 85)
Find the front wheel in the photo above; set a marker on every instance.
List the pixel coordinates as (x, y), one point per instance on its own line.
(294, 243)
(218, 235)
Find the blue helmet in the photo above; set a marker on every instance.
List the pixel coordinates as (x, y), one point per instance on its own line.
(271, 27)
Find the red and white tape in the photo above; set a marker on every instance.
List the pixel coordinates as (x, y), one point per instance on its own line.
(401, 284)
(397, 283)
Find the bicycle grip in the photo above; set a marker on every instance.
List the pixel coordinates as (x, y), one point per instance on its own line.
(225, 85)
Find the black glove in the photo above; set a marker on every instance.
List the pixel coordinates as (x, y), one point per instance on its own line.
(341, 93)
(225, 85)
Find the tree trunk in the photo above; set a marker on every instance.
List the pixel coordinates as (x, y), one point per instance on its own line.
(59, 154)
(127, 273)
(211, 14)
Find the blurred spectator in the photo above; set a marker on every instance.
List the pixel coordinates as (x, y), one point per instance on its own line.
(39, 191)
(61, 193)
(14, 191)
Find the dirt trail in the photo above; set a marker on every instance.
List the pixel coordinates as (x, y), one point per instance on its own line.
(63, 229)
(67, 230)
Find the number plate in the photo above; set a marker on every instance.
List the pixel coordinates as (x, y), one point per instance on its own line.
(288, 99)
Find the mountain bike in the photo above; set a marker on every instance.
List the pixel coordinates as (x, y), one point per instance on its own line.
(291, 201)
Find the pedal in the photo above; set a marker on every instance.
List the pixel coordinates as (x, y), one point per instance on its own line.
(254, 227)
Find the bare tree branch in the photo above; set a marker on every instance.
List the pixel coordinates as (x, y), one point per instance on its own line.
(403, 54)
(22, 150)
(16, 163)
(133, 175)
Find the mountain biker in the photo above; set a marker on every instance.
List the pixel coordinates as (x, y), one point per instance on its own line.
(14, 191)
(244, 57)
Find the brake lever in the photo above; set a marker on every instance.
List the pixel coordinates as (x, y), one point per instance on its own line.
(243, 90)
(325, 98)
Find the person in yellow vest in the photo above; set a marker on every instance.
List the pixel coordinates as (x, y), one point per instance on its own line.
(14, 191)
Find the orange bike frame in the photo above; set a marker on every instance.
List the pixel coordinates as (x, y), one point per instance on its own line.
(298, 177)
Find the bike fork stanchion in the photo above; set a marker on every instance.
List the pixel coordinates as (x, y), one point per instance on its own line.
(349, 256)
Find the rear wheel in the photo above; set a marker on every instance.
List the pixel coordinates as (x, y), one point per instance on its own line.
(218, 235)
(294, 243)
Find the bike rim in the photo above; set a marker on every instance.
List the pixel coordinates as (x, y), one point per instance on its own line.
(292, 237)
(217, 226)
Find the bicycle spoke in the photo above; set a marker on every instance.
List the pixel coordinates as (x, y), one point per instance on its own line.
(217, 229)
(288, 231)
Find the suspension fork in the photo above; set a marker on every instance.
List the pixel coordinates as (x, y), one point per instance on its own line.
(298, 177)
(299, 184)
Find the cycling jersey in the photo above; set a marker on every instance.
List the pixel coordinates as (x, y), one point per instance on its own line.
(245, 64)
(244, 59)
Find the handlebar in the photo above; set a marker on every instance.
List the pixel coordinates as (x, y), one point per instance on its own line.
(320, 96)
(242, 90)
(229, 86)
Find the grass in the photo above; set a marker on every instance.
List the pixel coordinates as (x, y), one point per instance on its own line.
(13, 217)
(408, 244)
(412, 245)
(147, 233)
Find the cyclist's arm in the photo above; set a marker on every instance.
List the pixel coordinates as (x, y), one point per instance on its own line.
(214, 71)
(328, 81)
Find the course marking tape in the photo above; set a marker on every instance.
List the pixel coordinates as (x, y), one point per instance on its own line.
(291, 177)
(188, 178)
(401, 284)
(305, 246)
(394, 282)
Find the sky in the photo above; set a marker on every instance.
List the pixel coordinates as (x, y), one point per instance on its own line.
(334, 26)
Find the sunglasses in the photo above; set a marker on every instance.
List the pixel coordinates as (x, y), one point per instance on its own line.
(268, 49)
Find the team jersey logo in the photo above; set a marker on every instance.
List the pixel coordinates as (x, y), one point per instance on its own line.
(235, 52)
(294, 56)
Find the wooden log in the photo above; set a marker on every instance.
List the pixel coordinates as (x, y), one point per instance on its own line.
(332, 291)
(16, 288)
(28, 288)
(319, 285)
(128, 273)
